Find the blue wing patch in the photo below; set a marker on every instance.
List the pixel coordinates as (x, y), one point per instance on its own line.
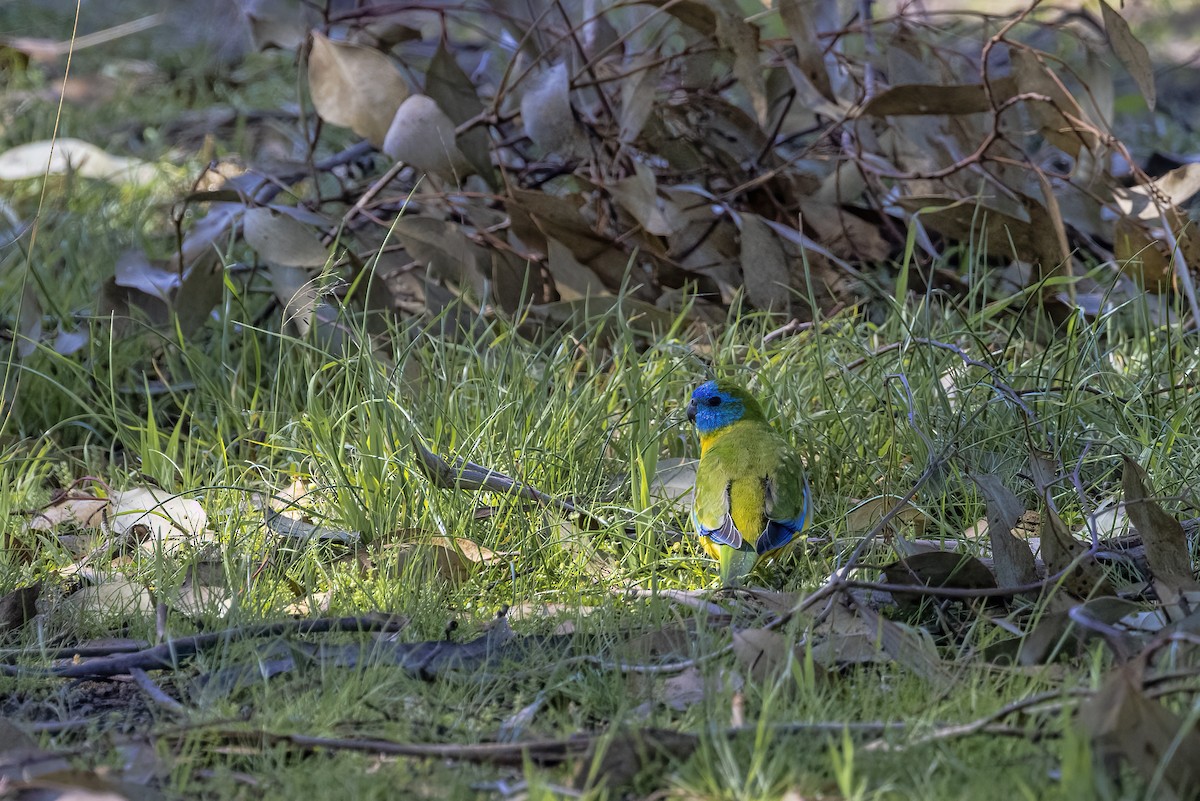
(725, 534)
(780, 532)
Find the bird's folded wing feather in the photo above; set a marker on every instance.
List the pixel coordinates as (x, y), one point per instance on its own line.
(787, 505)
(711, 510)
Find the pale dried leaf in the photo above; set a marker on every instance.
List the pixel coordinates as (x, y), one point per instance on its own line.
(546, 112)
(165, 514)
(764, 654)
(280, 239)
(1014, 560)
(923, 98)
(421, 134)
(135, 271)
(810, 54)
(67, 342)
(741, 37)
(675, 480)
(683, 690)
(845, 234)
(638, 194)
(117, 596)
(865, 516)
(200, 243)
(1060, 550)
(276, 23)
(1062, 120)
(471, 551)
(354, 86)
(1131, 52)
(75, 511)
(453, 559)
(456, 95)
(445, 249)
(1123, 723)
(697, 15)
(638, 93)
(1110, 522)
(195, 599)
(615, 761)
(844, 638)
(1173, 189)
(812, 100)
(969, 219)
(764, 265)
(1141, 255)
(299, 294)
(573, 279)
(1163, 535)
(1097, 73)
(909, 646)
(66, 155)
(671, 641)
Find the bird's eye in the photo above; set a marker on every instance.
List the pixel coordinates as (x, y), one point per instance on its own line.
(714, 401)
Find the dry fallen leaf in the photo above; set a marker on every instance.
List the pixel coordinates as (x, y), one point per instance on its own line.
(1014, 560)
(1060, 550)
(765, 654)
(937, 569)
(573, 279)
(456, 95)
(422, 135)
(60, 156)
(451, 558)
(165, 515)
(810, 52)
(18, 606)
(547, 115)
(764, 265)
(1166, 544)
(116, 597)
(354, 86)
(82, 511)
(1130, 51)
(1123, 724)
(638, 194)
(280, 239)
(615, 761)
(866, 515)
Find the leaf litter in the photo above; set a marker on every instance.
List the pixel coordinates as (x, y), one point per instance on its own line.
(603, 187)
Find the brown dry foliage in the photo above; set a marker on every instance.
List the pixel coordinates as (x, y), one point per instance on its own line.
(550, 155)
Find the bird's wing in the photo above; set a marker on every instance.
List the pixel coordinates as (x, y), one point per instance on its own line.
(787, 504)
(710, 514)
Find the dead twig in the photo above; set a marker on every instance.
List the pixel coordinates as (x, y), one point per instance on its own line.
(156, 693)
(466, 475)
(168, 655)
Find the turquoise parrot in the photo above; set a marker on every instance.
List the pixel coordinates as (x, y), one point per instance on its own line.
(751, 493)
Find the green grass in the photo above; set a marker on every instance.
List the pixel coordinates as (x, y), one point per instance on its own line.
(589, 412)
(589, 422)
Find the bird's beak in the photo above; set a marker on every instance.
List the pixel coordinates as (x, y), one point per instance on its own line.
(736, 565)
(691, 411)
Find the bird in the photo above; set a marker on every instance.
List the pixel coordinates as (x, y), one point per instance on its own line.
(752, 496)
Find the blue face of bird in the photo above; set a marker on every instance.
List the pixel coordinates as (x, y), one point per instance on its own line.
(711, 408)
